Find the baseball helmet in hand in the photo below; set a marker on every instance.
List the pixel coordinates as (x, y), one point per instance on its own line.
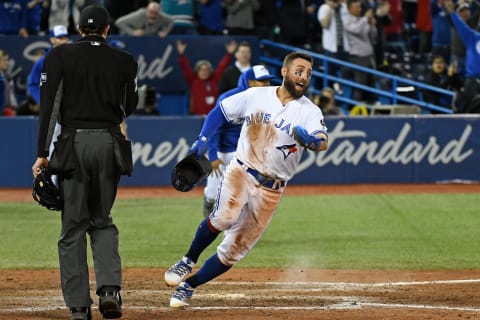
(189, 172)
(46, 193)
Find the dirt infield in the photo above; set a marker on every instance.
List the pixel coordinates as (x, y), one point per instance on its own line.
(252, 294)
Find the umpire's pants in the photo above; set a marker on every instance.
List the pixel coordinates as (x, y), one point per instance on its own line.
(89, 197)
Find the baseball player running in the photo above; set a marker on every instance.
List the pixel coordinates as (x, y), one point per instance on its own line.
(279, 124)
(222, 145)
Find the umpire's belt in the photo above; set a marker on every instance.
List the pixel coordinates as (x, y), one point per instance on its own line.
(265, 181)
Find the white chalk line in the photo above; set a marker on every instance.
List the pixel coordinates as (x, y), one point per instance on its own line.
(311, 284)
(346, 302)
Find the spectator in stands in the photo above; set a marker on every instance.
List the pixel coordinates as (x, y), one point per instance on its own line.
(147, 101)
(3, 79)
(314, 29)
(457, 49)
(409, 9)
(361, 31)
(239, 20)
(146, 21)
(8, 101)
(183, 13)
(440, 29)
(394, 36)
(470, 99)
(203, 80)
(424, 26)
(36, 9)
(442, 77)
(118, 8)
(381, 9)
(65, 13)
(265, 19)
(293, 22)
(331, 16)
(326, 102)
(58, 36)
(13, 18)
(211, 20)
(229, 79)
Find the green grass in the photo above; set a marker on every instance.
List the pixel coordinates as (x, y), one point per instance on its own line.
(417, 232)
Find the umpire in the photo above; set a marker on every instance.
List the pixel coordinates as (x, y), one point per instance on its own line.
(89, 87)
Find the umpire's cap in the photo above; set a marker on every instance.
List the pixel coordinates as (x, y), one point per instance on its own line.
(94, 16)
(190, 172)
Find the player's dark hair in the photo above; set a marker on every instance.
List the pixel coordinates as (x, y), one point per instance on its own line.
(296, 55)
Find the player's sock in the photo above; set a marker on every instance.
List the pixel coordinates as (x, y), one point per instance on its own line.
(210, 270)
(205, 235)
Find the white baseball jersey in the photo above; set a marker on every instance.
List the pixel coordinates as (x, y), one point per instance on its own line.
(266, 143)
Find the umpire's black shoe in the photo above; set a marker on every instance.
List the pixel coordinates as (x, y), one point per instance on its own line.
(81, 313)
(110, 304)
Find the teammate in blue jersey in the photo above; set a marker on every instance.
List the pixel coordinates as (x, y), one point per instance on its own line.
(58, 36)
(221, 147)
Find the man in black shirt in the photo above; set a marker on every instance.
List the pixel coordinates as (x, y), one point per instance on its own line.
(92, 87)
(229, 79)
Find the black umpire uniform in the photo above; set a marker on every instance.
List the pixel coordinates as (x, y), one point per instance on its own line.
(94, 86)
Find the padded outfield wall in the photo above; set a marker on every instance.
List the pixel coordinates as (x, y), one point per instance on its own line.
(373, 149)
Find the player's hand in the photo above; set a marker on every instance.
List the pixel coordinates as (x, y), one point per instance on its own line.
(216, 167)
(305, 139)
(199, 146)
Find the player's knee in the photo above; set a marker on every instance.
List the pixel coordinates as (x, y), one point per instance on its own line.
(230, 255)
(227, 259)
(219, 222)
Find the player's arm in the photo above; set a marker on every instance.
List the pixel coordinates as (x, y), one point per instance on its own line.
(312, 134)
(316, 142)
(215, 119)
(34, 81)
(225, 111)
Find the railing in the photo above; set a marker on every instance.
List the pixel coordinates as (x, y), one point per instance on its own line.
(273, 53)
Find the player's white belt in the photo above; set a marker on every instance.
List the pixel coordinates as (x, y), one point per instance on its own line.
(265, 181)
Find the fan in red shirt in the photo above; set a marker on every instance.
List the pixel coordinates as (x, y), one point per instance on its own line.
(203, 80)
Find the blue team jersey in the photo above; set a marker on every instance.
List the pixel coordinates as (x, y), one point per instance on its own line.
(226, 138)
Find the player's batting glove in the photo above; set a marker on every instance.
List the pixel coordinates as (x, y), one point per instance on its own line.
(199, 146)
(305, 139)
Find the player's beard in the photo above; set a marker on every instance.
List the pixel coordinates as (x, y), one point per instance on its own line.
(290, 86)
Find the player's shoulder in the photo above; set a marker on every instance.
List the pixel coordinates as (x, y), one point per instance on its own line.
(308, 107)
(306, 102)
